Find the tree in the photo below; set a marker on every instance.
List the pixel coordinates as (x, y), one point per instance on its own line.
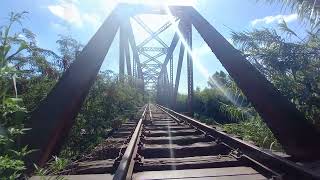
(20, 60)
(293, 66)
(68, 48)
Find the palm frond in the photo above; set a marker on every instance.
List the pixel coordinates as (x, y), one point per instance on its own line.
(283, 26)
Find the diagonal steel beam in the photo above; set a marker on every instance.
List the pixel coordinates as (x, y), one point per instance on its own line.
(54, 117)
(296, 135)
(170, 52)
(160, 30)
(146, 28)
(152, 58)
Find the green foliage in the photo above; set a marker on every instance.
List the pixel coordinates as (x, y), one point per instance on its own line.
(27, 74)
(234, 113)
(20, 60)
(11, 154)
(35, 89)
(68, 48)
(10, 168)
(54, 166)
(291, 65)
(254, 130)
(107, 99)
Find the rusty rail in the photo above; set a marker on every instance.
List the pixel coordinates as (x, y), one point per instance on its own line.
(126, 165)
(265, 160)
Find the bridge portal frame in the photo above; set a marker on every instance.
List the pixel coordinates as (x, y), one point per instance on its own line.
(54, 117)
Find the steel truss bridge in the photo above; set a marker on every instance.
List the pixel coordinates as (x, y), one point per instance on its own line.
(53, 119)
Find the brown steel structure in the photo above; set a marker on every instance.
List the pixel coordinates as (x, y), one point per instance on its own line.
(53, 119)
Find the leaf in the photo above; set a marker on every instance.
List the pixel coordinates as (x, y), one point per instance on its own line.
(284, 28)
(23, 45)
(6, 49)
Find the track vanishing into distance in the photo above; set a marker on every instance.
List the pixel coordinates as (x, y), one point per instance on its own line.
(163, 144)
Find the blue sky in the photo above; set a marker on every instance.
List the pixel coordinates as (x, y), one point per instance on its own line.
(81, 18)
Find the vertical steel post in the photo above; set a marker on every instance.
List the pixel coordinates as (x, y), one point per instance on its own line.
(171, 82)
(128, 58)
(122, 42)
(167, 88)
(134, 51)
(189, 68)
(176, 87)
(134, 68)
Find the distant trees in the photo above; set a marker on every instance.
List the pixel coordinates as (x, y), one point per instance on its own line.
(68, 48)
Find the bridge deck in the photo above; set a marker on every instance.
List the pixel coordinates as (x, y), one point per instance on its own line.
(172, 146)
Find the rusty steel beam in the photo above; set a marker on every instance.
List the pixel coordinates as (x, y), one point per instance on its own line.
(179, 67)
(156, 33)
(127, 50)
(128, 61)
(152, 58)
(189, 69)
(153, 49)
(134, 49)
(171, 48)
(148, 30)
(297, 136)
(122, 42)
(171, 81)
(54, 117)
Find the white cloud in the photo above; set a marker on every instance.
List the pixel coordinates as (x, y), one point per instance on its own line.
(69, 11)
(21, 36)
(277, 18)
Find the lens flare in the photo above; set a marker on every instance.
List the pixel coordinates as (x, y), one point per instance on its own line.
(204, 72)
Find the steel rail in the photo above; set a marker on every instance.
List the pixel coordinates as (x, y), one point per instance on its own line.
(126, 165)
(287, 169)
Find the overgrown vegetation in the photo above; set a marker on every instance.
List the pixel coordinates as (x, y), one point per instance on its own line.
(27, 74)
(108, 104)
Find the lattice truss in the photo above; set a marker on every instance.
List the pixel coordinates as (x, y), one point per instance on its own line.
(152, 52)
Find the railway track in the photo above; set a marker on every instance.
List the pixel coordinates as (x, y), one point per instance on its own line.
(163, 144)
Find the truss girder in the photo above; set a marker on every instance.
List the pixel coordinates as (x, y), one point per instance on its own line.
(50, 123)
